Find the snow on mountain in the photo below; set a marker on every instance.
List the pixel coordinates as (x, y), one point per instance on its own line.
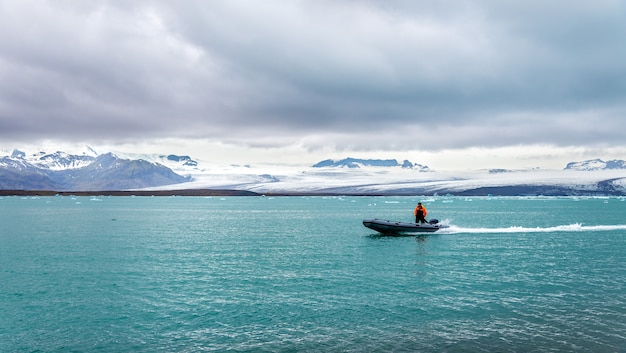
(61, 161)
(109, 172)
(17, 173)
(52, 161)
(123, 171)
(184, 160)
(596, 164)
(180, 164)
(360, 163)
(63, 171)
(15, 161)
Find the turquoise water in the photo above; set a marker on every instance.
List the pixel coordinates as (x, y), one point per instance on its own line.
(290, 274)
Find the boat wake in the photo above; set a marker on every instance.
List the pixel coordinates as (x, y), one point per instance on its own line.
(576, 227)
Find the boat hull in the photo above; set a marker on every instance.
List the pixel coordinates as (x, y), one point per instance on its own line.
(393, 227)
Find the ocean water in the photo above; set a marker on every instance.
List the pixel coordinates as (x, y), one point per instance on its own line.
(302, 274)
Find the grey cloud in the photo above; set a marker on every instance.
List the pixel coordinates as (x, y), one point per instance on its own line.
(478, 73)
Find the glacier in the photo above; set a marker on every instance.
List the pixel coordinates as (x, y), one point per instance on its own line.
(396, 180)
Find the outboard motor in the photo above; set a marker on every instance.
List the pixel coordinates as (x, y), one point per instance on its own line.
(433, 221)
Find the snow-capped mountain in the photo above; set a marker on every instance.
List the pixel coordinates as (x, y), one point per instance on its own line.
(185, 161)
(360, 163)
(63, 171)
(58, 160)
(183, 165)
(596, 164)
(61, 161)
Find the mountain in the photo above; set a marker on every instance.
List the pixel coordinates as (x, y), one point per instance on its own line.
(62, 171)
(183, 160)
(61, 160)
(90, 171)
(360, 163)
(18, 173)
(108, 172)
(596, 164)
(22, 176)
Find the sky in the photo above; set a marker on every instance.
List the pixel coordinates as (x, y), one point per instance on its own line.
(449, 84)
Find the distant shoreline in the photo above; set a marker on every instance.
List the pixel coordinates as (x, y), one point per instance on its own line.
(186, 192)
(189, 192)
(514, 190)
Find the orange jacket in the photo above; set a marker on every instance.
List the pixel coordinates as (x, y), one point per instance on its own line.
(424, 212)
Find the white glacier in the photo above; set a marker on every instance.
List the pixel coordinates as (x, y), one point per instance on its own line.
(373, 180)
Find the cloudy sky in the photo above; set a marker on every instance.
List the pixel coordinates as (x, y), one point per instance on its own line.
(450, 84)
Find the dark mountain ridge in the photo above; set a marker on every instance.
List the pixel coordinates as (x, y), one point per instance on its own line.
(359, 163)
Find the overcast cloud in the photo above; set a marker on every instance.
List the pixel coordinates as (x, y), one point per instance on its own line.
(331, 76)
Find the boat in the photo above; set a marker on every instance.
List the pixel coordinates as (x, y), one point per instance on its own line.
(396, 228)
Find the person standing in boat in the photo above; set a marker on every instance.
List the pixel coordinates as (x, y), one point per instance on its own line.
(420, 213)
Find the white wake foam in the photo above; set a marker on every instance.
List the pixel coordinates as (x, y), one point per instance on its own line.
(576, 227)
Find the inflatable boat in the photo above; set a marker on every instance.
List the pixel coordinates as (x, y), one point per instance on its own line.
(393, 227)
